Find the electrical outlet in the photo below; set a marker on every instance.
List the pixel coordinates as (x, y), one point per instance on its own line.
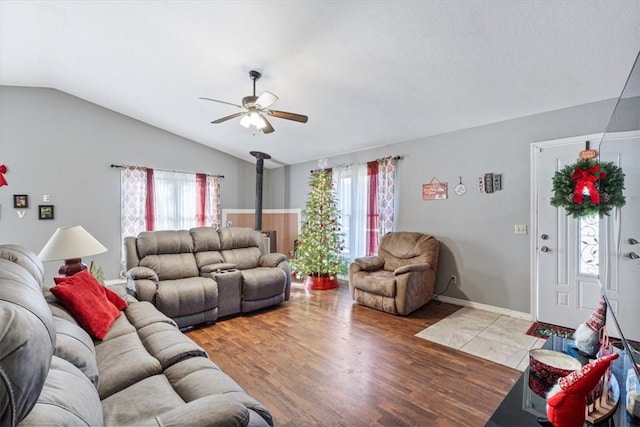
(453, 279)
(520, 229)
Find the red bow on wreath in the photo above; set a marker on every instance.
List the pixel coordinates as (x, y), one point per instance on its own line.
(3, 170)
(587, 178)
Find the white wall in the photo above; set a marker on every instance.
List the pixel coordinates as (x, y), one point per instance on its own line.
(56, 144)
(476, 230)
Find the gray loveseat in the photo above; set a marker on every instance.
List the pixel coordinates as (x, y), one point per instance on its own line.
(144, 372)
(199, 275)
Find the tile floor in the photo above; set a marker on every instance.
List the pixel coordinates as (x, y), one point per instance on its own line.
(501, 339)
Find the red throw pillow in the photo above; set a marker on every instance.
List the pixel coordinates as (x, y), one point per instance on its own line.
(84, 297)
(115, 299)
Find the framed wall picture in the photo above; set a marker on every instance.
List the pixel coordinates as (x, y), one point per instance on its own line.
(435, 190)
(20, 201)
(45, 212)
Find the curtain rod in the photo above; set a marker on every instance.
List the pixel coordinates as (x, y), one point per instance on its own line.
(360, 163)
(113, 165)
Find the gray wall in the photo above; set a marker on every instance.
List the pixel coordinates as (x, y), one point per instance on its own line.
(60, 145)
(56, 144)
(477, 229)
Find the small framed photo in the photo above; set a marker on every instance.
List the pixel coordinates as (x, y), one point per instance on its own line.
(20, 201)
(45, 212)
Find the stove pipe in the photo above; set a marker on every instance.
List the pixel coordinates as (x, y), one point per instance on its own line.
(259, 174)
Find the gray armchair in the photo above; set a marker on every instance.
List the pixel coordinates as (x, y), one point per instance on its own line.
(401, 278)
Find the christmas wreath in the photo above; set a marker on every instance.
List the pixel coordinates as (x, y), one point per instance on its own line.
(587, 188)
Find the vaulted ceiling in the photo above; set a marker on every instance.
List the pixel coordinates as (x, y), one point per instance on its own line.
(367, 73)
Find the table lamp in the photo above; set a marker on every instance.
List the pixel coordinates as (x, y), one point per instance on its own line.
(70, 244)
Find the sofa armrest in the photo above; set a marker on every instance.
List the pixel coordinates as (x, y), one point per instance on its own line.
(143, 283)
(369, 263)
(142, 273)
(412, 267)
(271, 260)
(211, 268)
(214, 410)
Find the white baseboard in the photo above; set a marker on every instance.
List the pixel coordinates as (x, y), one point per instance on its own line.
(485, 307)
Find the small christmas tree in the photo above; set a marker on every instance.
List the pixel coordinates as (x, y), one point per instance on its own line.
(320, 246)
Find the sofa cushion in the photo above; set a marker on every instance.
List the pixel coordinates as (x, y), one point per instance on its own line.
(401, 248)
(84, 297)
(381, 282)
(172, 266)
(205, 239)
(115, 372)
(143, 313)
(262, 282)
(239, 237)
(164, 242)
(74, 345)
(167, 344)
(154, 402)
(186, 296)
(243, 258)
(198, 377)
(144, 399)
(67, 398)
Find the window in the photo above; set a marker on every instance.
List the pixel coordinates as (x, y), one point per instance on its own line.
(588, 245)
(365, 196)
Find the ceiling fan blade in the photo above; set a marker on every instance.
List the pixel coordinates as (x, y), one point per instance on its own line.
(222, 102)
(289, 116)
(224, 119)
(268, 128)
(266, 99)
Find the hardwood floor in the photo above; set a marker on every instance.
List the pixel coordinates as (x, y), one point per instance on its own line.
(321, 359)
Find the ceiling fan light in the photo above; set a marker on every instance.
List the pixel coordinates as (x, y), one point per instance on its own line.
(261, 123)
(246, 121)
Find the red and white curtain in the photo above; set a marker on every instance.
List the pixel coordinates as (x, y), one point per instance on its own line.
(366, 195)
(381, 201)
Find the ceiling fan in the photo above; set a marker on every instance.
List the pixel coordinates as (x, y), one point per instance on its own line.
(255, 107)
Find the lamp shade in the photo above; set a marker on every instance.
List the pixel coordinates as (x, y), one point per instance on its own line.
(69, 243)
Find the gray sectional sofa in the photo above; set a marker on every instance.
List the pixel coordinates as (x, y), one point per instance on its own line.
(144, 372)
(199, 275)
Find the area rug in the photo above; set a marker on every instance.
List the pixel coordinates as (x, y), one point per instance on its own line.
(545, 330)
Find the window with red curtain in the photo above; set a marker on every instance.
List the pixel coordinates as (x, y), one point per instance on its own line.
(366, 196)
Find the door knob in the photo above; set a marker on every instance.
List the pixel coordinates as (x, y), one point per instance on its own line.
(546, 249)
(633, 255)
(632, 241)
(544, 237)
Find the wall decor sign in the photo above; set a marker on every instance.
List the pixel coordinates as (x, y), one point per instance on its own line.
(20, 201)
(435, 190)
(490, 182)
(460, 189)
(45, 212)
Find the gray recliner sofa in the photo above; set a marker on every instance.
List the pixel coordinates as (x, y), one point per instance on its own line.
(144, 372)
(199, 275)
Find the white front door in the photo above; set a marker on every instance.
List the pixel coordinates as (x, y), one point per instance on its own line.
(569, 254)
(620, 271)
